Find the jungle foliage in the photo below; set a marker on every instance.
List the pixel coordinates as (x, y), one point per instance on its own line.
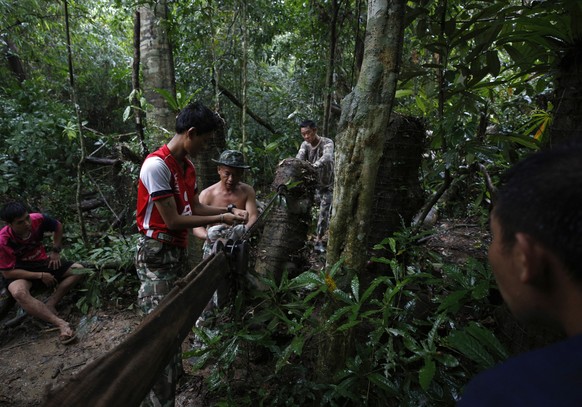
(413, 336)
(480, 73)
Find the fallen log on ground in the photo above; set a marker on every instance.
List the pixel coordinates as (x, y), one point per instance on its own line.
(124, 376)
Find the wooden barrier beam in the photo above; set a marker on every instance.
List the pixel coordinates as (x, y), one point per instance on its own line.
(125, 375)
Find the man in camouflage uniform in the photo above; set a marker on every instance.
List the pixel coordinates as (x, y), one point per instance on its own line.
(167, 208)
(318, 151)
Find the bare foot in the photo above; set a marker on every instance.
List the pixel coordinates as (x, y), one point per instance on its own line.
(67, 335)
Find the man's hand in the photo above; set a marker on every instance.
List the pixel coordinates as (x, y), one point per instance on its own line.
(48, 279)
(54, 260)
(243, 213)
(234, 218)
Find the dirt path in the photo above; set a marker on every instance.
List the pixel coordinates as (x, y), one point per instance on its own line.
(32, 360)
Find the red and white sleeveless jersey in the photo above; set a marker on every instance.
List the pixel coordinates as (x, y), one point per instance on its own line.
(162, 176)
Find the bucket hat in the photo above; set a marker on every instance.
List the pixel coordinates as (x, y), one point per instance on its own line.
(232, 158)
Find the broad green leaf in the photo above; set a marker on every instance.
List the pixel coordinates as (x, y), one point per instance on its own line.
(487, 338)
(452, 302)
(426, 373)
(382, 382)
(471, 348)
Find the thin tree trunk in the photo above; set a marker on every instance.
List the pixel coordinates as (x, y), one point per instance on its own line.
(250, 112)
(244, 70)
(363, 125)
(137, 107)
(81, 161)
(330, 67)
(215, 66)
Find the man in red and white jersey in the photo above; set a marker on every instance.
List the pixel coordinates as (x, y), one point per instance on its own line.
(167, 209)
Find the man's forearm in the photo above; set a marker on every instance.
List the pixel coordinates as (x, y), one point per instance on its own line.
(21, 274)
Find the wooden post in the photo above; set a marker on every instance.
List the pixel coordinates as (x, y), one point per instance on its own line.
(287, 226)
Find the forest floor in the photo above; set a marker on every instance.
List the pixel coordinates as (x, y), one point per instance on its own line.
(33, 361)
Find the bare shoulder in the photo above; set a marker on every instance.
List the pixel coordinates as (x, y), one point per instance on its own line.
(247, 189)
(207, 195)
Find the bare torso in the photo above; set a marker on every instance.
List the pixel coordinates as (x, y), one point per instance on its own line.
(242, 196)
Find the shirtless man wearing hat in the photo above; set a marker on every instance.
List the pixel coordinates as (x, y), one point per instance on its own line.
(229, 192)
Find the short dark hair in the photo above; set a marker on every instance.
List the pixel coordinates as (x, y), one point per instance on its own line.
(198, 116)
(308, 123)
(12, 210)
(541, 196)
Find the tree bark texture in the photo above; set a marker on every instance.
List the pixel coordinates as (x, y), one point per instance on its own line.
(206, 175)
(157, 64)
(398, 194)
(14, 62)
(363, 126)
(285, 232)
(333, 37)
(567, 122)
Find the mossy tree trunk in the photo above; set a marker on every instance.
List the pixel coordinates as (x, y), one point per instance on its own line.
(359, 147)
(362, 129)
(157, 65)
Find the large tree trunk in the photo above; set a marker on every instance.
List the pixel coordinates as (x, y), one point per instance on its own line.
(363, 125)
(157, 64)
(206, 175)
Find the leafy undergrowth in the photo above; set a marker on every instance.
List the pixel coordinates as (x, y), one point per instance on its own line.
(411, 330)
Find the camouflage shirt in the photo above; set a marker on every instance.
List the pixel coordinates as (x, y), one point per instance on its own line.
(321, 156)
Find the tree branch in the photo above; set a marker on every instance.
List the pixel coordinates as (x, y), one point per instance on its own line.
(238, 103)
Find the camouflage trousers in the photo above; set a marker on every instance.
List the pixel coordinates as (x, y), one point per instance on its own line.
(158, 266)
(220, 296)
(221, 232)
(324, 196)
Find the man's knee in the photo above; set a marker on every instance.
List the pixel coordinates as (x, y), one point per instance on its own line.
(20, 292)
(75, 266)
(71, 273)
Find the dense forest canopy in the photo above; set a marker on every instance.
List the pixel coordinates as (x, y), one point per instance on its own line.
(480, 73)
(490, 81)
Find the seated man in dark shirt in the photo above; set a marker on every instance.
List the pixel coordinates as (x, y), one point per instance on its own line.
(536, 257)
